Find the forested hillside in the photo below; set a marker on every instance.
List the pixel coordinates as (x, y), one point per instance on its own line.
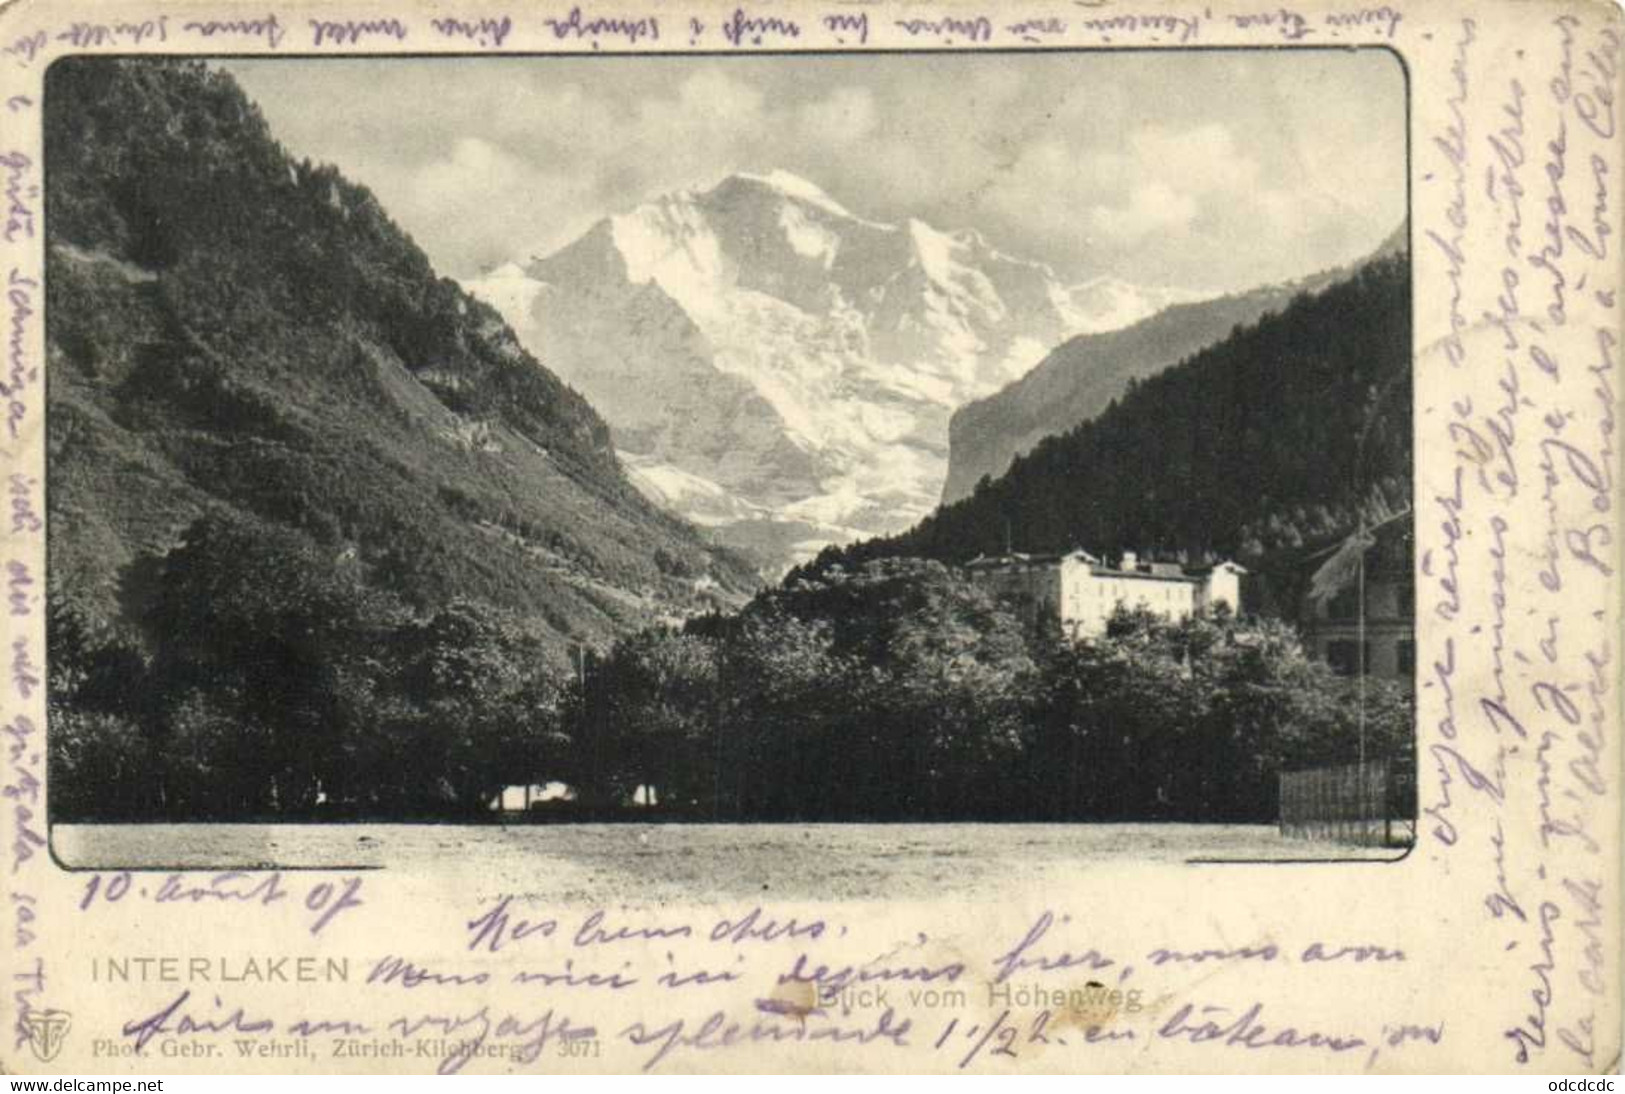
(321, 530)
(1080, 377)
(231, 330)
(1246, 448)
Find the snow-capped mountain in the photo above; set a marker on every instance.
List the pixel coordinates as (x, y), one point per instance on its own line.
(782, 369)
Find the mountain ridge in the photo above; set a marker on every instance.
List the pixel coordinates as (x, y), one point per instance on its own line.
(235, 333)
(792, 363)
(1078, 378)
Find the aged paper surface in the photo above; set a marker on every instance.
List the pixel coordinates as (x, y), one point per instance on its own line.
(1492, 944)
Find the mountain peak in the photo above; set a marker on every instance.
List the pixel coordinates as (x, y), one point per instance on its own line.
(783, 369)
(790, 185)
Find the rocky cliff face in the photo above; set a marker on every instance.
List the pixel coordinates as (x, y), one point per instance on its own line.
(782, 369)
(1081, 377)
(234, 332)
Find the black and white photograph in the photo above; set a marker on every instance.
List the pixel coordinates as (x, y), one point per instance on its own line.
(819, 474)
(869, 538)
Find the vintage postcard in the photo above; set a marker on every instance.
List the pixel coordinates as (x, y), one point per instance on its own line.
(811, 537)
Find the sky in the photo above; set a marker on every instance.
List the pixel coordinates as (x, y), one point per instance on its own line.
(1210, 169)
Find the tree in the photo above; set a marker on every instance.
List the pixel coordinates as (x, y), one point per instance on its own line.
(483, 710)
(911, 701)
(1116, 722)
(101, 767)
(650, 720)
(780, 729)
(265, 626)
(1262, 689)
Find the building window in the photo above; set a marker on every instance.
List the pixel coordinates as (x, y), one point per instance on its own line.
(1405, 597)
(1345, 605)
(1405, 654)
(1343, 655)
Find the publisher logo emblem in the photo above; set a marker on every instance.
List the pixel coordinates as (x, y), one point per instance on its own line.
(47, 1030)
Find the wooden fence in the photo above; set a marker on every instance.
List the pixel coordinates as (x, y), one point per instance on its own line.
(1369, 805)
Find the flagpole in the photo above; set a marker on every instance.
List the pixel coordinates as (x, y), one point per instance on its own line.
(1365, 833)
(1360, 654)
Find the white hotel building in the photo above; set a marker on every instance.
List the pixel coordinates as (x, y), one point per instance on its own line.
(1080, 592)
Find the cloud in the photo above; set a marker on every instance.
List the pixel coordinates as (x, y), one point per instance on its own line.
(1151, 168)
(1153, 208)
(472, 200)
(710, 105)
(1203, 158)
(546, 119)
(848, 114)
(475, 168)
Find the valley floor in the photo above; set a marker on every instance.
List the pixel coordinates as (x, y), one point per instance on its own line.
(649, 864)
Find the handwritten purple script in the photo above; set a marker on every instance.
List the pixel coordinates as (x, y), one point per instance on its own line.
(1519, 545)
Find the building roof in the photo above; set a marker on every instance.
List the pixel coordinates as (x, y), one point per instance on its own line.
(1144, 575)
(1225, 564)
(1148, 571)
(1016, 558)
